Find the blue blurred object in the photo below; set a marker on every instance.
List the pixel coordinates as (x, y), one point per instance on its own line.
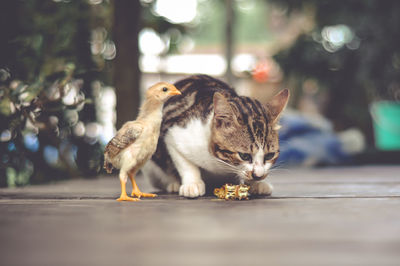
(31, 142)
(11, 146)
(309, 141)
(51, 155)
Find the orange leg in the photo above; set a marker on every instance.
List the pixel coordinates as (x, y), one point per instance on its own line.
(136, 191)
(123, 196)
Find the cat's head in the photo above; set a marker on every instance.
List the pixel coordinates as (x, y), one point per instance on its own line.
(245, 134)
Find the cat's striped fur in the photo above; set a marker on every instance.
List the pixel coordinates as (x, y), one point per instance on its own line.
(210, 127)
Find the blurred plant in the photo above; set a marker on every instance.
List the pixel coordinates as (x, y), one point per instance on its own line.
(49, 60)
(36, 122)
(351, 54)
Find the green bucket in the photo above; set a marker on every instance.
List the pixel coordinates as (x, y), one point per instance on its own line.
(386, 121)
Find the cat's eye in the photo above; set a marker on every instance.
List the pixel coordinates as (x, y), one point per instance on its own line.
(165, 89)
(245, 156)
(269, 156)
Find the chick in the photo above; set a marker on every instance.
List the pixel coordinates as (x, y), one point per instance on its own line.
(137, 140)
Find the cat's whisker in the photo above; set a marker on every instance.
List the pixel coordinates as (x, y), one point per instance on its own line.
(278, 165)
(241, 173)
(224, 165)
(227, 165)
(238, 176)
(234, 169)
(282, 167)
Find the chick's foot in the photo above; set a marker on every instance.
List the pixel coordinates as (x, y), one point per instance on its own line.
(127, 198)
(140, 194)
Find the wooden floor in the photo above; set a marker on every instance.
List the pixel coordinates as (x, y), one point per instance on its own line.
(329, 216)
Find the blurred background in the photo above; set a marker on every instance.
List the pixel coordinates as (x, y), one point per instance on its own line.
(71, 72)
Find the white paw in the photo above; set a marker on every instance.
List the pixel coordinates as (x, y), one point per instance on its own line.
(192, 190)
(173, 187)
(261, 188)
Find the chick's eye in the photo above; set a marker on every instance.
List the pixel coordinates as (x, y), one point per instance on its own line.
(269, 156)
(245, 156)
(165, 89)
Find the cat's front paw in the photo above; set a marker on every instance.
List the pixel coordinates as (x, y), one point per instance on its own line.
(173, 187)
(261, 188)
(192, 190)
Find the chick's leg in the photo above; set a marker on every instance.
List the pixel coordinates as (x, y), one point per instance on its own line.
(135, 189)
(124, 197)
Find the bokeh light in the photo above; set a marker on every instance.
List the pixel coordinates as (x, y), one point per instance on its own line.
(335, 37)
(79, 129)
(150, 43)
(92, 132)
(11, 146)
(176, 11)
(5, 135)
(31, 142)
(51, 154)
(105, 101)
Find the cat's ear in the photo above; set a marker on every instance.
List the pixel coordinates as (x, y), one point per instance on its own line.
(222, 108)
(276, 105)
(223, 114)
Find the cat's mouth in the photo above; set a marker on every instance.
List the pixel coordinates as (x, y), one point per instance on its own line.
(258, 178)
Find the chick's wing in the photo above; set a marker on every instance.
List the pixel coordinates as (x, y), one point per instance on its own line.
(125, 136)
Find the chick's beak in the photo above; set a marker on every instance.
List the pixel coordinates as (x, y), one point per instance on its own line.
(174, 91)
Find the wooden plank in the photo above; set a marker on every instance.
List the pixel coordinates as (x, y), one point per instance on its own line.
(370, 181)
(164, 232)
(334, 216)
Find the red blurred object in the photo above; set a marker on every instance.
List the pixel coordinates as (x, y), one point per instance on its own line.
(261, 72)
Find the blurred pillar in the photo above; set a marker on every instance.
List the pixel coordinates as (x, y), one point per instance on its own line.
(126, 73)
(230, 20)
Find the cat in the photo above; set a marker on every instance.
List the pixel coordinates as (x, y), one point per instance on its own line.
(211, 134)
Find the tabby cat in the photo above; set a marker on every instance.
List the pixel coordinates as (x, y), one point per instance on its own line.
(211, 134)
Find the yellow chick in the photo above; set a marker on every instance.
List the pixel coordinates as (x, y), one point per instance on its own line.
(137, 140)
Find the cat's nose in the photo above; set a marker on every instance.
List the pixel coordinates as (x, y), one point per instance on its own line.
(258, 172)
(257, 177)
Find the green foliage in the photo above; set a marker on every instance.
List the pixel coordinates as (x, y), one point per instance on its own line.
(46, 71)
(36, 119)
(47, 35)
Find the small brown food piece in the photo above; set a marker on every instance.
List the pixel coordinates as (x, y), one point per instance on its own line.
(232, 192)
